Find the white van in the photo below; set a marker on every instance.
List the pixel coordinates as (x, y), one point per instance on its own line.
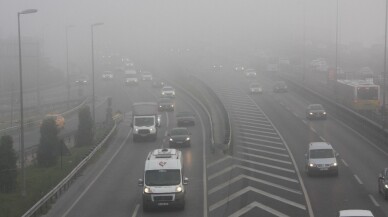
(163, 182)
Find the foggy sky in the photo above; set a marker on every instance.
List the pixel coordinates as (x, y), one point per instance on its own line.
(149, 24)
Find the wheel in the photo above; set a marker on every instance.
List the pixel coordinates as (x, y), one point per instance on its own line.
(385, 195)
(181, 206)
(336, 174)
(146, 207)
(134, 139)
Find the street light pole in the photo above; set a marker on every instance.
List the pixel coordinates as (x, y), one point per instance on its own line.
(336, 53)
(28, 11)
(93, 93)
(383, 109)
(67, 66)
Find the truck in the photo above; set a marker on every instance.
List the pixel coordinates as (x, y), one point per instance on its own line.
(145, 121)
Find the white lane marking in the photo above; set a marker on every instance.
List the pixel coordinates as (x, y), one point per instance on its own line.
(259, 145)
(242, 125)
(296, 115)
(253, 123)
(136, 210)
(253, 120)
(237, 104)
(219, 161)
(264, 165)
(358, 179)
(344, 162)
(252, 113)
(258, 140)
(263, 157)
(263, 151)
(323, 139)
(312, 129)
(261, 136)
(251, 116)
(248, 189)
(244, 130)
(98, 175)
(237, 109)
(305, 122)
(373, 200)
(255, 204)
(242, 176)
(230, 168)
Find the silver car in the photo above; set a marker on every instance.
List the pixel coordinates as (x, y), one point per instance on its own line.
(321, 159)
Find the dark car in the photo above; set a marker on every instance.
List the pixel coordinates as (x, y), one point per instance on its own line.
(185, 119)
(280, 87)
(81, 81)
(179, 136)
(217, 68)
(166, 104)
(383, 183)
(315, 111)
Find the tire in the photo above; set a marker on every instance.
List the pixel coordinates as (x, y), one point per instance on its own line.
(134, 139)
(146, 207)
(336, 174)
(181, 206)
(385, 193)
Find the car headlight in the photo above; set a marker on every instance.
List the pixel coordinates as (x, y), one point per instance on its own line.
(334, 164)
(311, 113)
(171, 140)
(172, 105)
(147, 190)
(188, 139)
(311, 165)
(324, 113)
(385, 186)
(163, 93)
(136, 130)
(151, 130)
(179, 189)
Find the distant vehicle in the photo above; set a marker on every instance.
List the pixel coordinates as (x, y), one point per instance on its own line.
(130, 72)
(107, 75)
(146, 76)
(145, 120)
(179, 136)
(239, 68)
(185, 119)
(250, 73)
(383, 183)
(166, 104)
(280, 87)
(359, 95)
(315, 111)
(157, 83)
(321, 158)
(355, 213)
(81, 81)
(168, 91)
(163, 181)
(217, 68)
(131, 80)
(255, 88)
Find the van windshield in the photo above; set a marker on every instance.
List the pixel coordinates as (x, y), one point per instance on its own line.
(162, 177)
(144, 122)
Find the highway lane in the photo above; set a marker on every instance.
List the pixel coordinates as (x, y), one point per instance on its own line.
(109, 186)
(357, 183)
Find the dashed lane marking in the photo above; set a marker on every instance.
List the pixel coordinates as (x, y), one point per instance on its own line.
(344, 162)
(373, 200)
(136, 210)
(358, 179)
(323, 139)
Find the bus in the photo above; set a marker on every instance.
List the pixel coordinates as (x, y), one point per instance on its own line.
(359, 95)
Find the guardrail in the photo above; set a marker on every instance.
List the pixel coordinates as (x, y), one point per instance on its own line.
(64, 184)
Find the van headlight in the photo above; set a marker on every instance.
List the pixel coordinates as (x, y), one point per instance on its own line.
(179, 189)
(188, 139)
(311, 165)
(171, 140)
(385, 186)
(334, 164)
(147, 190)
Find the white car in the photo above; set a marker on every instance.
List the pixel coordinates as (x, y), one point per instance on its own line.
(146, 76)
(250, 73)
(355, 213)
(255, 88)
(321, 158)
(168, 91)
(107, 75)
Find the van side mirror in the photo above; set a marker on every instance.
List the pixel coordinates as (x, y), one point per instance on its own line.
(140, 183)
(336, 154)
(185, 180)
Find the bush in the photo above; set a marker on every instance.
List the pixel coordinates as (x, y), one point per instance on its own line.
(84, 135)
(48, 149)
(8, 173)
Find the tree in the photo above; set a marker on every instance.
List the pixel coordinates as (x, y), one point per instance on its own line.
(84, 136)
(8, 158)
(48, 149)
